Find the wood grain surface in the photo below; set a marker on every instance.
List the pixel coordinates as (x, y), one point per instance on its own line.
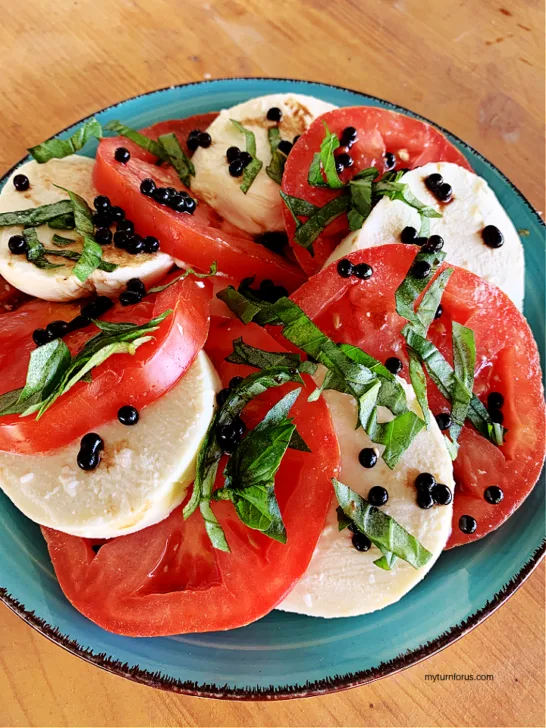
(473, 66)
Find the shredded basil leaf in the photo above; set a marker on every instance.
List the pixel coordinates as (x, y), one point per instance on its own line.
(59, 148)
(426, 310)
(275, 168)
(62, 222)
(251, 356)
(308, 232)
(252, 170)
(419, 383)
(177, 157)
(90, 259)
(327, 159)
(60, 241)
(382, 530)
(185, 274)
(150, 145)
(35, 216)
(361, 201)
(297, 206)
(464, 362)
(36, 251)
(411, 287)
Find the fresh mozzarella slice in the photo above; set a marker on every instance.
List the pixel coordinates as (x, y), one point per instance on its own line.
(144, 471)
(474, 205)
(341, 581)
(59, 284)
(260, 210)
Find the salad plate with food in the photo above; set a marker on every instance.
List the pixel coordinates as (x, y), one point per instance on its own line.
(272, 415)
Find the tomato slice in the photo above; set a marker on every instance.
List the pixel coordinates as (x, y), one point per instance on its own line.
(363, 313)
(194, 240)
(412, 141)
(122, 379)
(167, 579)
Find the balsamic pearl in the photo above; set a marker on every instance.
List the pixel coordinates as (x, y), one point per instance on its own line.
(151, 244)
(339, 166)
(240, 426)
(433, 181)
(394, 365)
(352, 527)
(274, 114)
(95, 308)
(439, 311)
(492, 236)
(126, 225)
(228, 437)
(425, 482)
(205, 139)
(128, 415)
(295, 139)
(236, 168)
(116, 213)
(178, 203)
(390, 161)
(121, 238)
(102, 219)
(367, 457)
(147, 186)
(273, 240)
(378, 496)
(136, 285)
(161, 195)
(496, 416)
(21, 182)
(421, 269)
(134, 245)
(363, 271)
(408, 235)
(91, 446)
(222, 395)
(444, 420)
(493, 494)
(245, 158)
(234, 382)
(345, 159)
(193, 139)
(78, 322)
(57, 329)
(434, 244)
(495, 400)
(233, 153)
(122, 155)
(285, 147)
(444, 192)
(425, 500)
(349, 135)
(41, 337)
(467, 524)
(103, 236)
(191, 204)
(441, 494)
(101, 203)
(129, 298)
(345, 268)
(17, 245)
(361, 542)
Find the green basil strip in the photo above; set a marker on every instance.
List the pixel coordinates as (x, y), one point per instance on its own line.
(83, 216)
(396, 435)
(60, 241)
(308, 232)
(426, 310)
(185, 274)
(298, 207)
(382, 530)
(177, 157)
(386, 561)
(464, 362)
(59, 148)
(90, 259)
(62, 222)
(412, 286)
(35, 216)
(275, 168)
(150, 145)
(361, 202)
(419, 383)
(400, 191)
(252, 170)
(36, 251)
(314, 176)
(251, 356)
(327, 159)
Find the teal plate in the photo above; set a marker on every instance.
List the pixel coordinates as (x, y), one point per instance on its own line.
(284, 655)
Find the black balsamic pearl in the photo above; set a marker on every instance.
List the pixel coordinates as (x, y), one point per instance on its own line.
(434, 244)
(245, 158)
(205, 139)
(103, 236)
(134, 245)
(101, 203)
(495, 400)
(239, 426)
(151, 244)
(136, 285)
(91, 446)
(178, 203)
(408, 235)
(171, 192)
(116, 213)
(425, 481)
(496, 416)
(285, 147)
(190, 206)
(17, 245)
(433, 181)
(378, 496)
(339, 166)
(362, 271)
(233, 153)
(492, 236)
(425, 500)
(78, 322)
(128, 415)
(97, 307)
(467, 524)
(394, 365)
(352, 527)
(228, 437)
(421, 242)
(102, 219)
(122, 155)
(161, 195)
(274, 240)
(444, 192)
(121, 238)
(441, 494)
(21, 182)
(57, 329)
(444, 420)
(274, 114)
(349, 135)
(345, 159)
(439, 311)
(361, 542)
(493, 494)
(367, 457)
(193, 139)
(234, 382)
(421, 269)
(147, 186)
(126, 225)
(41, 337)
(390, 161)
(222, 396)
(345, 268)
(295, 139)
(129, 298)
(236, 168)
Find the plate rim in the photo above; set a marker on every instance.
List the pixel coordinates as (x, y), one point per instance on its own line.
(318, 687)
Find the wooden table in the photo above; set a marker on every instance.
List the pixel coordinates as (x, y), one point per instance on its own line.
(473, 66)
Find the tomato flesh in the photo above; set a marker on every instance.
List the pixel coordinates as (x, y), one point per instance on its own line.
(167, 579)
(363, 313)
(122, 379)
(380, 131)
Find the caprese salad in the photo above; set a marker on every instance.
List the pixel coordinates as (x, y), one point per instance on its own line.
(272, 357)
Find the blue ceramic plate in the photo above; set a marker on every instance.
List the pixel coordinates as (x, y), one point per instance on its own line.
(286, 655)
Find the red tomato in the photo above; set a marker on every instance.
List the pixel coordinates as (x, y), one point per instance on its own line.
(180, 127)
(363, 313)
(413, 142)
(167, 579)
(122, 379)
(10, 297)
(196, 240)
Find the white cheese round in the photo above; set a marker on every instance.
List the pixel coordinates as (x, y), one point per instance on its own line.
(260, 210)
(59, 284)
(143, 475)
(474, 205)
(343, 582)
